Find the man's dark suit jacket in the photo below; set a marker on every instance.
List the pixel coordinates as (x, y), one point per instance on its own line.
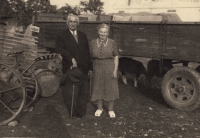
(67, 46)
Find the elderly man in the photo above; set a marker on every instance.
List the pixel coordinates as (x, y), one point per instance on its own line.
(72, 44)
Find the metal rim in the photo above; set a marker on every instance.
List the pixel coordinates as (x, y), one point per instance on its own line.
(31, 85)
(13, 96)
(181, 89)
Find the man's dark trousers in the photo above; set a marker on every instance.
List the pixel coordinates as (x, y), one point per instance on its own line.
(81, 97)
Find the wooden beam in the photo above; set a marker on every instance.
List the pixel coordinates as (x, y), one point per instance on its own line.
(129, 2)
(16, 38)
(19, 45)
(22, 35)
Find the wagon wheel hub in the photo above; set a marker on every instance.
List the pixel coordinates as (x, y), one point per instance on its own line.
(181, 89)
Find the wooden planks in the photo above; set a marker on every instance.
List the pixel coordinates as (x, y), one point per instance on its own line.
(11, 42)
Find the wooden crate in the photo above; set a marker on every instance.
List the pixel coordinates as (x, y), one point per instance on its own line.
(15, 42)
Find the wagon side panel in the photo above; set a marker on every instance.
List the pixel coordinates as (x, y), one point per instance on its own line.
(90, 29)
(49, 32)
(137, 39)
(182, 42)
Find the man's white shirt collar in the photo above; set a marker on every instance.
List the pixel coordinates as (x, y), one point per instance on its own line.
(73, 32)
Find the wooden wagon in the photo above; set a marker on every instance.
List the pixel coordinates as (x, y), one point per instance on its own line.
(177, 41)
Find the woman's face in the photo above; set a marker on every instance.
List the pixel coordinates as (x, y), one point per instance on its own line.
(103, 33)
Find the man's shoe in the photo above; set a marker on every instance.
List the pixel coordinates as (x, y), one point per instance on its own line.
(80, 116)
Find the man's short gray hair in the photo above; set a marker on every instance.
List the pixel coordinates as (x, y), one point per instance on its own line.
(103, 25)
(72, 15)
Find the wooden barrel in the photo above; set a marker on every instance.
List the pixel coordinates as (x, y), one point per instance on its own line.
(48, 81)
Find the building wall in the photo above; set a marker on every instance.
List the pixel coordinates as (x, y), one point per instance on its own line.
(187, 10)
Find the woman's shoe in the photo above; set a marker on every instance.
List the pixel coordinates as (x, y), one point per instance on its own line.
(111, 114)
(98, 112)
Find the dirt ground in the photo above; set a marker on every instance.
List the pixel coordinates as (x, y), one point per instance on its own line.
(140, 112)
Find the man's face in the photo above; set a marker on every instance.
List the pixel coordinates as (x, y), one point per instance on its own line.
(72, 23)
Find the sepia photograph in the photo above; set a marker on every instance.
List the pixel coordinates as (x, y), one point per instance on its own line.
(99, 68)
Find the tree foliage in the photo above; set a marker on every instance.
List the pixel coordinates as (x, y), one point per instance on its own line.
(11, 7)
(22, 11)
(94, 6)
(40, 6)
(65, 9)
(14, 9)
(69, 9)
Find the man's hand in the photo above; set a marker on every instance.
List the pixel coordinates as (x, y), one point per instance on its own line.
(74, 62)
(60, 57)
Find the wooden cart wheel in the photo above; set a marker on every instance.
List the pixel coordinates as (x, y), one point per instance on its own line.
(31, 85)
(181, 88)
(12, 94)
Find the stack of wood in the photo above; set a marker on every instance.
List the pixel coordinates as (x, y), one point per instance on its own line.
(15, 42)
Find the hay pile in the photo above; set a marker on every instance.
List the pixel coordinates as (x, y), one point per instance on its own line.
(170, 17)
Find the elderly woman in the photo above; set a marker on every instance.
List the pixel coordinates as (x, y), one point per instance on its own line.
(104, 53)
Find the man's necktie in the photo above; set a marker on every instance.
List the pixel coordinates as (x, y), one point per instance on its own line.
(75, 36)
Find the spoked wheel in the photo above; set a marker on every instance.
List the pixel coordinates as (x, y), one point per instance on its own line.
(181, 88)
(12, 94)
(31, 85)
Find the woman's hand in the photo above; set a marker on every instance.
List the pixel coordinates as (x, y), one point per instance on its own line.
(114, 75)
(116, 62)
(90, 73)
